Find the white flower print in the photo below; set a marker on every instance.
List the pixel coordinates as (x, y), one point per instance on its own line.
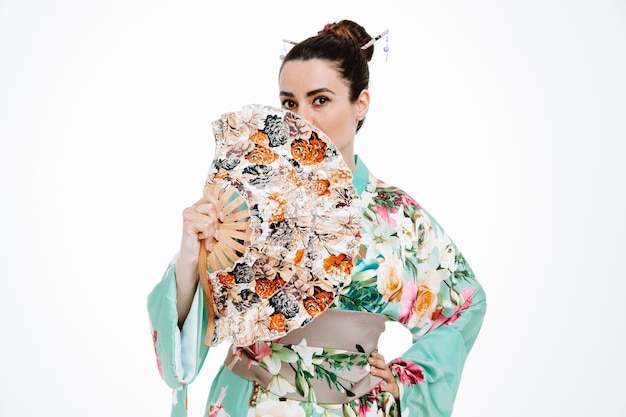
(256, 321)
(405, 229)
(273, 363)
(447, 257)
(378, 240)
(280, 386)
(306, 354)
(287, 408)
(424, 233)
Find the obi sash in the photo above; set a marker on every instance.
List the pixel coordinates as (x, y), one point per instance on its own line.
(354, 332)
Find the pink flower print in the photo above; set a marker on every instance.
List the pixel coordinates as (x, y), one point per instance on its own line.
(409, 295)
(217, 409)
(158, 358)
(363, 407)
(364, 404)
(408, 372)
(467, 296)
(385, 214)
(407, 200)
(259, 351)
(236, 357)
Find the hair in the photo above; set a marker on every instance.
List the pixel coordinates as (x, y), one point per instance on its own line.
(340, 44)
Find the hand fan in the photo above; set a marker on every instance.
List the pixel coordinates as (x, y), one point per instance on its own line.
(291, 229)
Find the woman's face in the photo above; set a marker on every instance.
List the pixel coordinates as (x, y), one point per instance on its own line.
(315, 90)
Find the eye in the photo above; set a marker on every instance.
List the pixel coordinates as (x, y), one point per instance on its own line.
(321, 100)
(288, 104)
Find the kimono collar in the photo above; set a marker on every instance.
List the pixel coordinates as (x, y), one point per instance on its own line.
(360, 176)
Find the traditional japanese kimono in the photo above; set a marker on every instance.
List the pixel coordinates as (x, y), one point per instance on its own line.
(408, 271)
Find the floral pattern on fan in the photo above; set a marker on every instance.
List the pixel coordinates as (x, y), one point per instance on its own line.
(297, 217)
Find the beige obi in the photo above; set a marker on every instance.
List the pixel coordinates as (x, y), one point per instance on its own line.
(352, 331)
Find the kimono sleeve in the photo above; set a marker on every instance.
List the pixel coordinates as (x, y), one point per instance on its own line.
(180, 353)
(429, 372)
(443, 305)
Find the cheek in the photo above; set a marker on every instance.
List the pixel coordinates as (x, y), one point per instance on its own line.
(337, 125)
(345, 125)
(324, 124)
(339, 121)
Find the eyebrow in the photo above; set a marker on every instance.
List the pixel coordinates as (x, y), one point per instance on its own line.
(310, 93)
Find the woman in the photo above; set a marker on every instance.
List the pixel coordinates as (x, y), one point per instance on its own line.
(409, 271)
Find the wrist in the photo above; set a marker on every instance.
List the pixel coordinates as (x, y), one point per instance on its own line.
(186, 271)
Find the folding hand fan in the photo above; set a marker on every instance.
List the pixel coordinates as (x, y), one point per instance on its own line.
(291, 229)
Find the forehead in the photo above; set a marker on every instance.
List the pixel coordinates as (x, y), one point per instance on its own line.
(310, 74)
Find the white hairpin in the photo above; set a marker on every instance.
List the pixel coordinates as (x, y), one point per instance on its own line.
(284, 52)
(373, 40)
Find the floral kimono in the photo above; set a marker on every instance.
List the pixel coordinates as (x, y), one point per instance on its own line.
(408, 270)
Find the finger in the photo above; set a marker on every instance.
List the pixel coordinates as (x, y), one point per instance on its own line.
(380, 368)
(210, 203)
(378, 355)
(210, 233)
(378, 360)
(199, 230)
(212, 194)
(376, 370)
(205, 211)
(202, 216)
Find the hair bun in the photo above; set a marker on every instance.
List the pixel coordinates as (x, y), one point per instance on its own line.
(347, 29)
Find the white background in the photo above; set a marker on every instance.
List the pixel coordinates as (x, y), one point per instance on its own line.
(505, 119)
